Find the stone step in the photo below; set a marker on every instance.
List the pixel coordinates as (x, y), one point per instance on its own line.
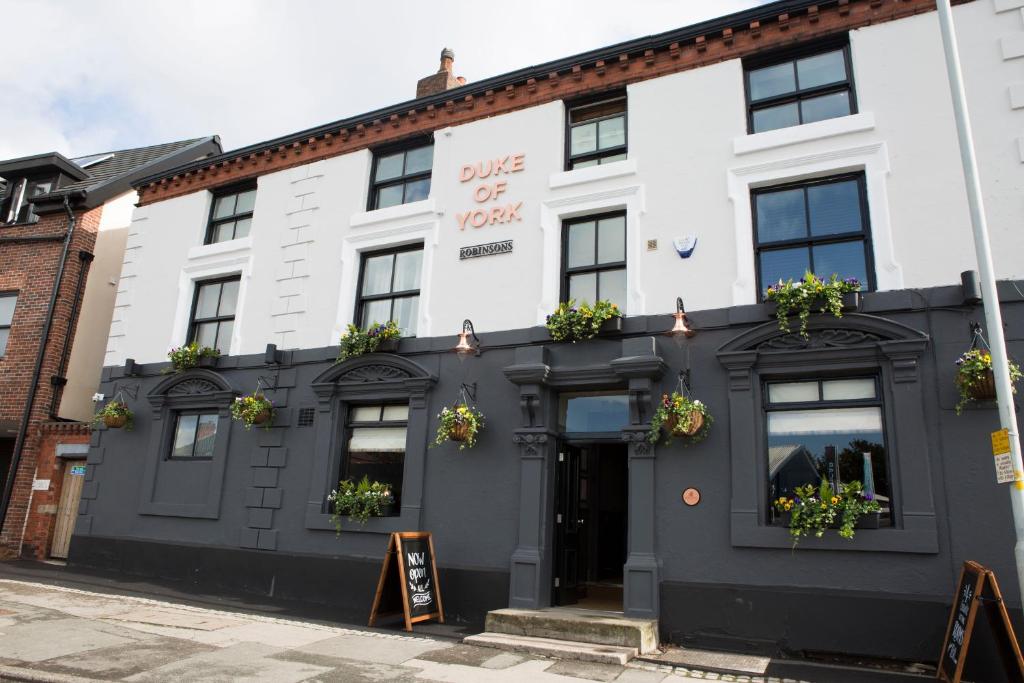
(550, 647)
(576, 625)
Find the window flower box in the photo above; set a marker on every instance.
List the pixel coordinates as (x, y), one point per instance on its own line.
(610, 326)
(812, 294)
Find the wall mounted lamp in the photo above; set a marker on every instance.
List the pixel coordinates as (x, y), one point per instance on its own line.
(680, 329)
(464, 347)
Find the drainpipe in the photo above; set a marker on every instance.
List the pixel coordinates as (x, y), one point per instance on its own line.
(60, 380)
(19, 443)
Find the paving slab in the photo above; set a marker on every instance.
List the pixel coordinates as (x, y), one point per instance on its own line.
(370, 648)
(752, 665)
(122, 661)
(591, 671)
(502, 660)
(247, 661)
(470, 655)
(641, 676)
(38, 641)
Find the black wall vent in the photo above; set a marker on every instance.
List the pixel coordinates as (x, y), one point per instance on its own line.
(306, 416)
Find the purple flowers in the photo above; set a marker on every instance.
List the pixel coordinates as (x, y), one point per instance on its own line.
(868, 495)
(852, 281)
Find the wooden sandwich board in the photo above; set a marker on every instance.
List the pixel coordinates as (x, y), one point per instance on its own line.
(976, 588)
(408, 580)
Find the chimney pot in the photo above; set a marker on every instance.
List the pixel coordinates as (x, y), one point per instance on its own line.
(443, 80)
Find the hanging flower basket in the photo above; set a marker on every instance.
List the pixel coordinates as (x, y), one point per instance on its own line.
(253, 409)
(115, 415)
(460, 424)
(680, 416)
(975, 380)
(688, 427)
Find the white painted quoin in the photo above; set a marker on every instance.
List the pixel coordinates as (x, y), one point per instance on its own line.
(691, 166)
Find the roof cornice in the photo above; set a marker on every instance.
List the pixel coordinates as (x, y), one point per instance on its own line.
(767, 27)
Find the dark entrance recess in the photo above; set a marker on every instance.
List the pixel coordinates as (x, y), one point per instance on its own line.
(590, 525)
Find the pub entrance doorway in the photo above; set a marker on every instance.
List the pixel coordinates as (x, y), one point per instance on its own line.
(591, 507)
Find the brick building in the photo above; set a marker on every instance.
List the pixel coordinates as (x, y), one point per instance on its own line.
(61, 220)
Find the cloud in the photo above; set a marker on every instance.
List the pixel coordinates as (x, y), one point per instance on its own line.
(119, 73)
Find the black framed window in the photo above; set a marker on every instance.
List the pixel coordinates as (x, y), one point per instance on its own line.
(17, 204)
(819, 226)
(213, 313)
(7, 304)
(231, 214)
(811, 84)
(375, 445)
(594, 259)
(195, 434)
(389, 288)
(401, 176)
(596, 132)
(832, 428)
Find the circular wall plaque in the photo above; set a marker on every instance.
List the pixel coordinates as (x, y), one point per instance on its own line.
(691, 496)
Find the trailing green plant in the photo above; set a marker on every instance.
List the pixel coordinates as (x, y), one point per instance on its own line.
(974, 370)
(459, 423)
(801, 296)
(188, 356)
(815, 509)
(115, 414)
(356, 342)
(680, 416)
(253, 409)
(574, 323)
(359, 501)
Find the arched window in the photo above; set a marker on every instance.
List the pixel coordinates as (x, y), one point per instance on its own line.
(826, 406)
(374, 422)
(188, 445)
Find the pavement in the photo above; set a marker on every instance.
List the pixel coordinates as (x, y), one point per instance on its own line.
(61, 634)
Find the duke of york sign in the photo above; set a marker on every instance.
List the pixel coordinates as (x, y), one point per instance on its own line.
(490, 188)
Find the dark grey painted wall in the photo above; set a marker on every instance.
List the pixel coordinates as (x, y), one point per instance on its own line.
(708, 574)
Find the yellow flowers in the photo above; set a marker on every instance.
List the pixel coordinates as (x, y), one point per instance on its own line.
(835, 499)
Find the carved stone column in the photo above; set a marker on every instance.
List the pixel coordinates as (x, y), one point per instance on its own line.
(530, 564)
(641, 366)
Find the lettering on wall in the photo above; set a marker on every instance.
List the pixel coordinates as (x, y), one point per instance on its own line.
(490, 188)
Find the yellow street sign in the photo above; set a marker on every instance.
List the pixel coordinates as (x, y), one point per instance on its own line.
(1001, 442)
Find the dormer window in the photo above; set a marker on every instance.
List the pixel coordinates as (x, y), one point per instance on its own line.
(17, 205)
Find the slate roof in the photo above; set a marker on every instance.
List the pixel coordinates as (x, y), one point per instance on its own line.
(116, 174)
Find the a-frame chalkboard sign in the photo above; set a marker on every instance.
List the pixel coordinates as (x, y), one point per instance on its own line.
(978, 588)
(408, 580)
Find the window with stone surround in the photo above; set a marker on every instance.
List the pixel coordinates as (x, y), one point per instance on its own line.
(8, 301)
(389, 288)
(231, 214)
(832, 428)
(375, 445)
(804, 85)
(819, 226)
(594, 259)
(822, 403)
(195, 435)
(213, 313)
(401, 175)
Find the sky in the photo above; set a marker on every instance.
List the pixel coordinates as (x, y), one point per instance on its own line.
(88, 77)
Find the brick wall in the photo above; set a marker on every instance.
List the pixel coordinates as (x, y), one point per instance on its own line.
(29, 269)
(42, 517)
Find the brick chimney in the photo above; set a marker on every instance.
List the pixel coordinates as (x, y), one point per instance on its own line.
(442, 80)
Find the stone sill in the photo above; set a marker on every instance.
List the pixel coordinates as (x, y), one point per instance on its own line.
(421, 209)
(592, 174)
(218, 248)
(807, 132)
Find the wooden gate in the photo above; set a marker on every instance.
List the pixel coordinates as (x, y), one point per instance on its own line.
(67, 510)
